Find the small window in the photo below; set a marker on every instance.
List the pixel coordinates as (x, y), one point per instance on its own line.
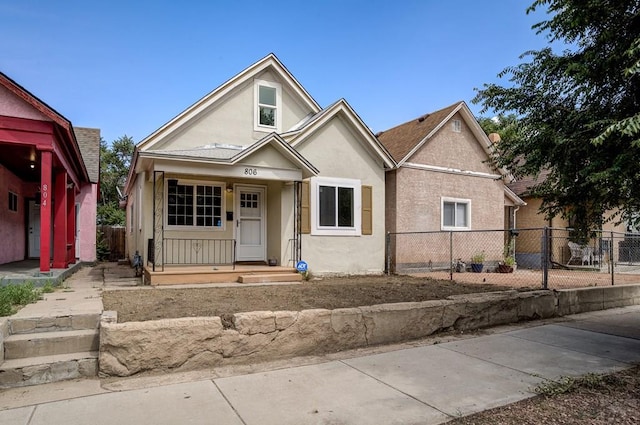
(337, 206)
(457, 126)
(13, 201)
(194, 205)
(456, 214)
(267, 110)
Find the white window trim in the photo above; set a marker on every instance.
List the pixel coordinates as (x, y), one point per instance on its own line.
(194, 228)
(457, 126)
(458, 201)
(314, 204)
(256, 106)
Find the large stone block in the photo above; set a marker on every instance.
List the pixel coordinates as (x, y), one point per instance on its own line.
(4, 333)
(536, 305)
(387, 323)
(632, 293)
(483, 310)
(255, 322)
(132, 347)
(19, 326)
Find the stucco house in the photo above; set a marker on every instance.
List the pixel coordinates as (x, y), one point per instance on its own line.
(257, 172)
(444, 180)
(49, 174)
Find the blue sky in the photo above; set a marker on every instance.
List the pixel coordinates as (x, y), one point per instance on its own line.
(127, 67)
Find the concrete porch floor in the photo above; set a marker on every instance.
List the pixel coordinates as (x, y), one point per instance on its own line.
(21, 272)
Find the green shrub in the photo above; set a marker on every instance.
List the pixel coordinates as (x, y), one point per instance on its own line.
(6, 307)
(17, 295)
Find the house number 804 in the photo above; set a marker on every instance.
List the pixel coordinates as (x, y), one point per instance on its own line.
(250, 171)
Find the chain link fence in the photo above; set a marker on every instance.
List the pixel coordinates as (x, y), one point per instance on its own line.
(519, 258)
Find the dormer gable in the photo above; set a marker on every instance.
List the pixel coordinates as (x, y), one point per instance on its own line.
(262, 99)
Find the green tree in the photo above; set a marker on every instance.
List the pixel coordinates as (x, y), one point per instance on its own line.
(507, 126)
(578, 110)
(115, 161)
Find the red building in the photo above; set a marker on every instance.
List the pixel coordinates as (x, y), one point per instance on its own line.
(48, 182)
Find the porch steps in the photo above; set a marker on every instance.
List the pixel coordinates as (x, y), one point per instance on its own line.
(48, 349)
(180, 275)
(269, 278)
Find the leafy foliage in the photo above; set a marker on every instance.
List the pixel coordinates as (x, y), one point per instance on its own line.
(577, 111)
(115, 161)
(17, 295)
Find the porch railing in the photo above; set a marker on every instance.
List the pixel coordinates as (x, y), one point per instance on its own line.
(179, 251)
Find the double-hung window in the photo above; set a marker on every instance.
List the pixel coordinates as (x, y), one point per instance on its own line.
(336, 206)
(196, 205)
(456, 214)
(267, 108)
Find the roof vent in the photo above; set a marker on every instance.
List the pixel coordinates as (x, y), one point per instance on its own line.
(422, 118)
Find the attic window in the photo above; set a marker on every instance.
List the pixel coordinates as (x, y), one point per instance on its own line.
(457, 126)
(268, 106)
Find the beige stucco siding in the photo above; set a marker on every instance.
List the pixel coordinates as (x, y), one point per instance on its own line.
(451, 149)
(230, 121)
(336, 152)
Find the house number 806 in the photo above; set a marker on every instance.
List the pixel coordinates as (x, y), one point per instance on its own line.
(250, 171)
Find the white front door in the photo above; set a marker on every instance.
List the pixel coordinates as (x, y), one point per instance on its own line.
(250, 223)
(34, 230)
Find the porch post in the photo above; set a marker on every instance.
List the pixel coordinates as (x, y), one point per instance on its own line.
(45, 211)
(60, 221)
(71, 225)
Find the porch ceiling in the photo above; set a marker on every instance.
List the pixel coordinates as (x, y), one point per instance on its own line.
(18, 159)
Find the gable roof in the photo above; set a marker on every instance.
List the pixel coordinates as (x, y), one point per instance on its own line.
(269, 61)
(404, 138)
(63, 124)
(89, 143)
(341, 108)
(521, 187)
(229, 155)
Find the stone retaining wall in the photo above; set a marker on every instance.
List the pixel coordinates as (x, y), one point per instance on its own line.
(203, 342)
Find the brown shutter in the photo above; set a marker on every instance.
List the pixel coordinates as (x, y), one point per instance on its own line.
(367, 210)
(305, 209)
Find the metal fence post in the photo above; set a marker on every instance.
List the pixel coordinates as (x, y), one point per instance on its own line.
(545, 258)
(611, 261)
(450, 255)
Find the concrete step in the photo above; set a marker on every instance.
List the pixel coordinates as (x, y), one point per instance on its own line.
(270, 277)
(50, 343)
(46, 369)
(54, 323)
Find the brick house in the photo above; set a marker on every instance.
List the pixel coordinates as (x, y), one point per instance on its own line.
(444, 180)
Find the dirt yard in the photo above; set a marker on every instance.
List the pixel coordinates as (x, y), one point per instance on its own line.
(593, 400)
(144, 303)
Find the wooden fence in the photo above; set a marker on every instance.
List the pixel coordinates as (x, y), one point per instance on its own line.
(114, 239)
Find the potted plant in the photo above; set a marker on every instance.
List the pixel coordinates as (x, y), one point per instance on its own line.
(507, 265)
(477, 262)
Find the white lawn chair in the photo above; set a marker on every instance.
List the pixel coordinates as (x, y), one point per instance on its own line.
(576, 252)
(587, 255)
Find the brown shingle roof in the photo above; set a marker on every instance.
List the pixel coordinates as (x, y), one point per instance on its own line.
(400, 140)
(521, 187)
(89, 144)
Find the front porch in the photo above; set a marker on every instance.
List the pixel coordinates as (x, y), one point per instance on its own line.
(28, 271)
(201, 274)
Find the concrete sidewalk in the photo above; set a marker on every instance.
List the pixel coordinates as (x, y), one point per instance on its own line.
(426, 384)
